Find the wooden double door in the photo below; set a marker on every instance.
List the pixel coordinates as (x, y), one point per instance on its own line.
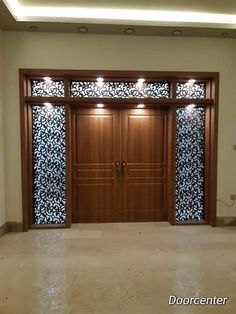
(119, 165)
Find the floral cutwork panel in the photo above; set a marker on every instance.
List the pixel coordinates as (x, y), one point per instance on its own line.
(190, 151)
(49, 161)
(191, 91)
(120, 90)
(41, 88)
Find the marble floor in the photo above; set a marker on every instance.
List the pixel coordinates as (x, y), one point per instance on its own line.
(117, 268)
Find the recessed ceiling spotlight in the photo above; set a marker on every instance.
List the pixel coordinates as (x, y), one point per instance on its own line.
(192, 81)
(100, 105)
(177, 32)
(33, 28)
(141, 80)
(140, 106)
(225, 34)
(83, 29)
(129, 31)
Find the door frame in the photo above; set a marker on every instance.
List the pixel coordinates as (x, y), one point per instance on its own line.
(211, 130)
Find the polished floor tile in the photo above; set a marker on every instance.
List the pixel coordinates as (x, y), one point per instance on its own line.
(117, 268)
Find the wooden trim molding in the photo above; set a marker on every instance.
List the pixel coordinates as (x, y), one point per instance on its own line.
(24, 151)
(117, 102)
(210, 102)
(213, 151)
(119, 75)
(171, 168)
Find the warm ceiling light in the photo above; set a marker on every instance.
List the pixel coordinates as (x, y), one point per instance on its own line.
(47, 79)
(192, 81)
(130, 31)
(140, 106)
(48, 105)
(191, 106)
(83, 29)
(100, 79)
(177, 32)
(64, 13)
(100, 105)
(141, 80)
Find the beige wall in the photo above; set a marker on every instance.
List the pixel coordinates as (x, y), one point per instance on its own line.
(72, 51)
(2, 187)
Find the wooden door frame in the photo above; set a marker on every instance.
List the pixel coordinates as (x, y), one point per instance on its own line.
(210, 102)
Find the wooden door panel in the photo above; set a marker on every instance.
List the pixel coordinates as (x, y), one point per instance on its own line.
(144, 201)
(102, 137)
(94, 202)
(144, 171)
(145, 138)
(94, 137)
(96, 148)
(144, 174)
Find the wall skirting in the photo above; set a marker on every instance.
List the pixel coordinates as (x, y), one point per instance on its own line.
(226, 221)
(11, 226)
(3, 229)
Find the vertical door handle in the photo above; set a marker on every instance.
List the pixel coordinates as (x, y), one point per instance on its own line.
(118, 168)
(123, 166)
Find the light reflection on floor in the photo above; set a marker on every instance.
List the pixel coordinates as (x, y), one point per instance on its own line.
(117, 268)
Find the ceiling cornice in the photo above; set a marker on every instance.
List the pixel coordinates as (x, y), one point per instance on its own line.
(117, 27)
(26, 13)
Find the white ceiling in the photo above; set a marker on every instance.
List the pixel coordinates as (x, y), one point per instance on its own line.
(211, 18)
